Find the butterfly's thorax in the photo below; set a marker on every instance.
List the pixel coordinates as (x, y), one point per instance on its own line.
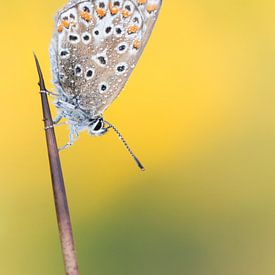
(95, 47)
(70, 110)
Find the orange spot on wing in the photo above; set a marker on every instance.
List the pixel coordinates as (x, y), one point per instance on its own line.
(137, 44)
(113, 10)
(60, 28)
(86, 16)
(151, 8)
(141, 2)
(132, 29)
(101, 12)
(65, 24)
(125, 13)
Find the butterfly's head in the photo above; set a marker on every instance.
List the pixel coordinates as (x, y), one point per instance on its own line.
(97, 127)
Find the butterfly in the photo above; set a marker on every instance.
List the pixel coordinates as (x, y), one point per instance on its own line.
(95, 46)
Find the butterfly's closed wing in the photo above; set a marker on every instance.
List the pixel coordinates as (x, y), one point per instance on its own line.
(96, 45)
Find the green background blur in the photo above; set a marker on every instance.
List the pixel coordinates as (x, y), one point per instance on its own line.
(199, 111)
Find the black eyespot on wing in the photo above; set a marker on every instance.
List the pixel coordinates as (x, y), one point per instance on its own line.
(65, 18)
(121, 68)
(86, 37)
(72, 16)
(78, 70)
(108, 29)
(122, 48)
(64, 53)
(73, 37)
(103, 87)
(90, 73)
(96, 32)
(136, 20)
(128, 7)
(101, 5)
(118, 30)
(116, 3)
(85, 8)
(102, 60)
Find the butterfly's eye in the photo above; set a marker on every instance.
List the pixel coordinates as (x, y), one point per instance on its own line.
(98, 126)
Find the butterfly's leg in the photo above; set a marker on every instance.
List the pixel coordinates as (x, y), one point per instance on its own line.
(57, 119)
(74, 135)
(56, 122)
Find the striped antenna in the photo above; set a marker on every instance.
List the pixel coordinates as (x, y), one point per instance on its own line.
(126, 145)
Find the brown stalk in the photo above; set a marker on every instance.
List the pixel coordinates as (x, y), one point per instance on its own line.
(60, 198)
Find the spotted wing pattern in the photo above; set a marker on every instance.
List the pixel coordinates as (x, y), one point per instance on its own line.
(96, 45)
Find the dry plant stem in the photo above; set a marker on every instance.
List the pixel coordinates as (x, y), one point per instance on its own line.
(60, 199)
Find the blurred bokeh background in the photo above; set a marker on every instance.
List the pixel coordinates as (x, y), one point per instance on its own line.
(199, 111)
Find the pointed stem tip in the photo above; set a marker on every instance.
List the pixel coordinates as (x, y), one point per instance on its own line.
(41, 82)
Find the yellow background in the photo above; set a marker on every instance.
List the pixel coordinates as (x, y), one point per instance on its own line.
(199, 111)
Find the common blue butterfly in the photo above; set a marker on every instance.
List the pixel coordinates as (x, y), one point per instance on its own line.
(95, 47)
